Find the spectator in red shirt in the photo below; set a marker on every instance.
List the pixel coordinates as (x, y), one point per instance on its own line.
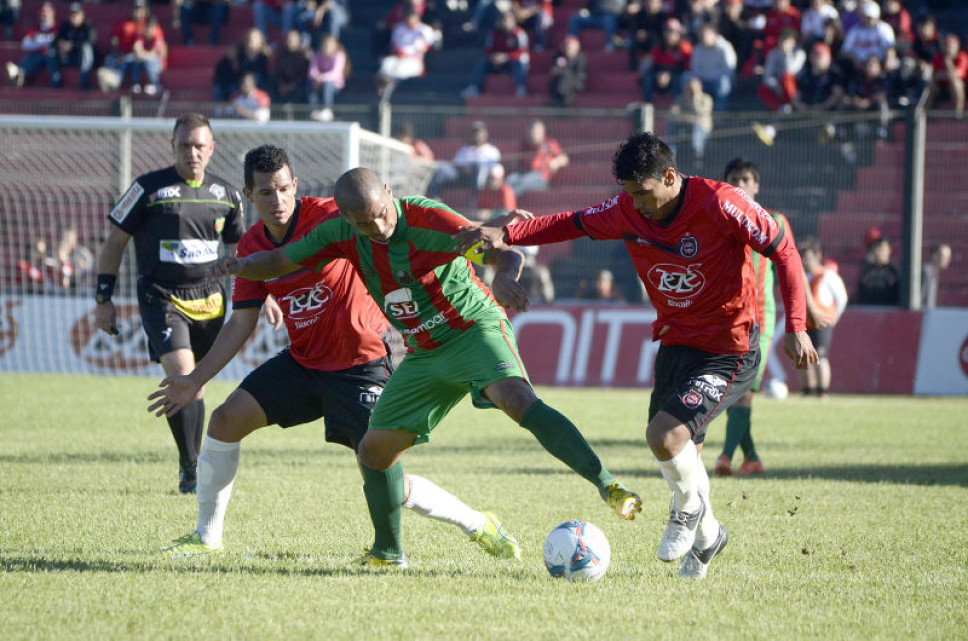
(783, 16)
(662, 71)
(151, 57)
(122, 59)
(497, 198)
(37, 46)
(506, 51)
(950, 73)
(541, 158)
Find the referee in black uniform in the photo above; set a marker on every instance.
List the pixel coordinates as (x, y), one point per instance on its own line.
(178, 217)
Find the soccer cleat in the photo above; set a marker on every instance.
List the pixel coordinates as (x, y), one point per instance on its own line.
(370, 562)
(680, 532)
(187, 479)
(191, 545)
(696, 563)
(724, 466)
(625, 502)
(750, 467)
(495, 540)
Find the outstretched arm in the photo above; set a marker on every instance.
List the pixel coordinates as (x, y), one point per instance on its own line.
(258, 266)
(178, 391)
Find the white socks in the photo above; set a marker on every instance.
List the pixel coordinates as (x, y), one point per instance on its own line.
(217, 466)
(682, 476)
(428, 499)
(708, 528)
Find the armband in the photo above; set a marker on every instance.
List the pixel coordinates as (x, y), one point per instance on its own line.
(476, 254)
(105, 287)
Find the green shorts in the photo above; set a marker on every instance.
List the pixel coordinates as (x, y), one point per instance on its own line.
(766, 343)
(428, 384)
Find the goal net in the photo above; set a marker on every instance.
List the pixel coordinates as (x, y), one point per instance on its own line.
(59, 178)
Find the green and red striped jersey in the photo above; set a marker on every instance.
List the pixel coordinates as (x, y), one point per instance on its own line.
(428, 291)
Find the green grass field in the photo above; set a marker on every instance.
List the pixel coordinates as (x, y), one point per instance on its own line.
(859, 529)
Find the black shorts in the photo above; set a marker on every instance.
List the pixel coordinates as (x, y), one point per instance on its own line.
(697, 386)
(291, 394)
(169, 328)
(821, 340)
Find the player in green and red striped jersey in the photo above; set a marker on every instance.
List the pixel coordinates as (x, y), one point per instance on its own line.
(459, 339)
(742, 173)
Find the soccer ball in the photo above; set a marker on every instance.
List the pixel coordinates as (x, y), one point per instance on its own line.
(777, 389)
(578, 551)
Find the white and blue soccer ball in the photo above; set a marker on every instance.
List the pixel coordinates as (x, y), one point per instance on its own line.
(578, 551)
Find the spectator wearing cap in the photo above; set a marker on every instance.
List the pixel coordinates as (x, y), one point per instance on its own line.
(568, 72)
(506, 51)
(599, 14)
(713, 61)
(879, 282)
(37, 46)
(662, 71)
(820, 85)
(74, 47)
(872, 37)
(470, 166)
(950, 73)
(186, 13)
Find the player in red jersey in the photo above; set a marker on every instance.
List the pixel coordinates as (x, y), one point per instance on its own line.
(690, 240)
(335, 367)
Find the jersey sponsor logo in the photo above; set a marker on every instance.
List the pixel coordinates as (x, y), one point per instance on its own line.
(503, 365)
(127, 203)
(691, 399)
(191, 251)
(754, 230)
(608, 204)
(308, 301)
(710, 386)
(200, 309)
(426, 326)
(677, 282)
(167, 193)
(688, 246)
(218, 191)
(400, 305)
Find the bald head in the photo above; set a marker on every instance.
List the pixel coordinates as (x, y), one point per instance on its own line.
(366, 204)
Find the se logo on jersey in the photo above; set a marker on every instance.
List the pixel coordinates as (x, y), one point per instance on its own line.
(400, 305)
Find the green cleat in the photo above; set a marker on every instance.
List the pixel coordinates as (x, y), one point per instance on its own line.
(495, 540)
(625, 502)
(370, 562)
(191, 545)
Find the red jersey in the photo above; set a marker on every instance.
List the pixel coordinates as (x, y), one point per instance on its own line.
(127, 31)
(514, 44)
(675, 59)
(332, 322)
(696, 264)
(776, 23)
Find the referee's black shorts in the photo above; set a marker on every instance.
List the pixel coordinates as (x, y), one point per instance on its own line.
(291, 394)
(697, 386)
(168, 328)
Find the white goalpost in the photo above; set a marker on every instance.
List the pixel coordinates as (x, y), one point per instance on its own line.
(59, 178)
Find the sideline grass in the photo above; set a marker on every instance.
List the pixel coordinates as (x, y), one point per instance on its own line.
(857, 531)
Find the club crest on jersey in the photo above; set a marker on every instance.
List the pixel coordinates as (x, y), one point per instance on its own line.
(167, 193)
(692, 399)
(218, 191)
(677, 282)
(400, 305)
(688, 246)
(404, 277)
(219, 224)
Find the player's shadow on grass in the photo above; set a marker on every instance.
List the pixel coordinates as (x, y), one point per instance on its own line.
(929, 474)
